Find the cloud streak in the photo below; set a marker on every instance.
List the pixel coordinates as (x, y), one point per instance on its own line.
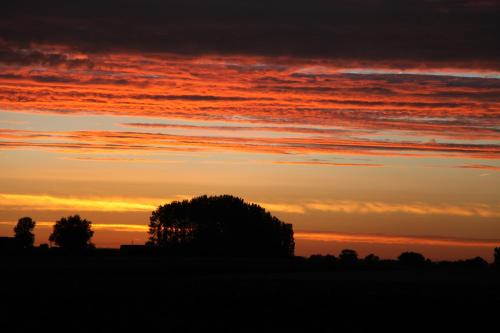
(283, 208)
(324, 163)
(120, 160)
(418, 208)
(51, 203)
(101, 141)
(480, 166)
(393, 239)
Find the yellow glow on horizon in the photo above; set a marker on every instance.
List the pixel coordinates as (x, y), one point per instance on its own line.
(316, 236)
(141, 204)
(96, 226)
(283, 208)
(49, 202)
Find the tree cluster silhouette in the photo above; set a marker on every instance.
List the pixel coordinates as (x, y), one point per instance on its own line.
(219, 225)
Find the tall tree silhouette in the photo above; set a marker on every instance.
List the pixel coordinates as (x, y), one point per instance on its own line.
(72, 233)
(219, 225)
(23, 232)
(496, 257)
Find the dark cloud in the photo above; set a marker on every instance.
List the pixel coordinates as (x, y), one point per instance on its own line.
(458, 33)
(119, 82)
(10, 76)
(195, 98)
(51, 79)
(21, 56)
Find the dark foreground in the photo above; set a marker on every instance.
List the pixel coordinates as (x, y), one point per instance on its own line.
(113, 293)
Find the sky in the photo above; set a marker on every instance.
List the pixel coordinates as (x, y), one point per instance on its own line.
(368, 124)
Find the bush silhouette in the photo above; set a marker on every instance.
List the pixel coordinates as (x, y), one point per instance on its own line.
(348, 256)
(371, 259)
(411, 259)
(72, 233)
(219, 225)
(476, 263)
(23, 232)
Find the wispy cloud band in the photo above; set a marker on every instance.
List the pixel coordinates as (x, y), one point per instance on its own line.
(143, 141)
(46, 202)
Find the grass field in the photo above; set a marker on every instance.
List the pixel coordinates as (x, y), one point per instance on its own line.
(113, 293)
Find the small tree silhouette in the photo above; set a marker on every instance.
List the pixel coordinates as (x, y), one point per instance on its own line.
(23, 232)
(348, 256)
(476, 263)
(371, 259)
(496, 257)
(411, 259)
(72, 233)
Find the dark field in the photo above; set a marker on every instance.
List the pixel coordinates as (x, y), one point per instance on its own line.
(116, 293)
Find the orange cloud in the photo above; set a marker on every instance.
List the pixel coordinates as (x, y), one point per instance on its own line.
(261, 105)
(260, 90)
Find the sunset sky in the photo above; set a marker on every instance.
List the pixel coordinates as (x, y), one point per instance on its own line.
(368, 124)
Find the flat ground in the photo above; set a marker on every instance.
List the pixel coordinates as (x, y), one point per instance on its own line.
(112, 293)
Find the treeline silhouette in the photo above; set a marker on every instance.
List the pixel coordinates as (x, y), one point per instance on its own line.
(203, 226)
(348, 259)
(214, 226)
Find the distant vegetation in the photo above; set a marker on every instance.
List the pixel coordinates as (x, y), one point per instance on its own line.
(407, 260)
(219, 226)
